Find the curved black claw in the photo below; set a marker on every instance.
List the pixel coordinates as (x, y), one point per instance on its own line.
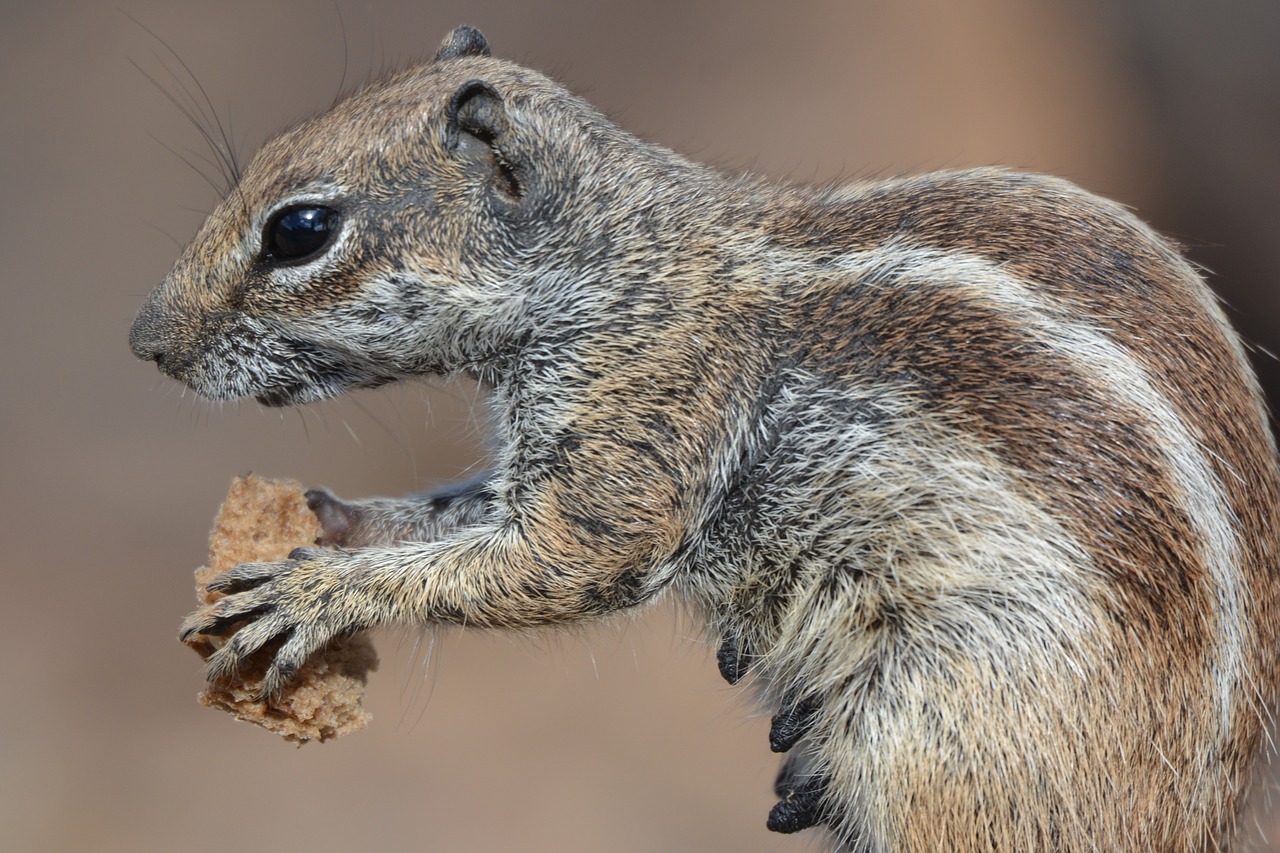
(791, 724)
(732, 662)
(801, 806)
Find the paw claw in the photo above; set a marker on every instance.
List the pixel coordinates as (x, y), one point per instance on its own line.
(209, 621)
(732, 662)
(223, 625)
(276, 679)
(791, 724)
(801, 806)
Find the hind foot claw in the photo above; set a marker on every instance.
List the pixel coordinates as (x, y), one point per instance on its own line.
(801, 805)
(791, 724)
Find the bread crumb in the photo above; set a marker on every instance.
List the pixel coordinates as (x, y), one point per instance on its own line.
(263, 520)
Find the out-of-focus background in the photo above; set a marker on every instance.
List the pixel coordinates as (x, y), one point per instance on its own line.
(616, 739)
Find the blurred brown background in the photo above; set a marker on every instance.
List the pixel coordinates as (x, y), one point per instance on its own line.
(617, 739)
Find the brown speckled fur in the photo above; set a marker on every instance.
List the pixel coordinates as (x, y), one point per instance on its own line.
(967, 469)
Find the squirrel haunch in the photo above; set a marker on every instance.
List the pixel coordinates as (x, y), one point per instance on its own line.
(966, 471)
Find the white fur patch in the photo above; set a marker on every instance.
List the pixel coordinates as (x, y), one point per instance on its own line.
(1060, 327)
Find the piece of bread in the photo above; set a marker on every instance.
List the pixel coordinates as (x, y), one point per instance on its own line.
(262, 521)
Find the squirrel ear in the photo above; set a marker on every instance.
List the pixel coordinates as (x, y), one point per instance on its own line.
(476, 108)
(463, 41)
(476, 131)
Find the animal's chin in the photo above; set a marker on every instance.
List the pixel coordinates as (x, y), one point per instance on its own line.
(299, 392)
(296, 394)
(280, 397)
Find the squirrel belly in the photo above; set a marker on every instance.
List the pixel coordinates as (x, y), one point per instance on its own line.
(967, 470)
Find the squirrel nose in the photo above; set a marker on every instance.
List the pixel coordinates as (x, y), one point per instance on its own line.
(146, 337)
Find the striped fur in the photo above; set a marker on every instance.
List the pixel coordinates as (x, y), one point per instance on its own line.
(968, 469)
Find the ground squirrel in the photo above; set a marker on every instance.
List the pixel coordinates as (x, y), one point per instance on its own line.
(967, 469)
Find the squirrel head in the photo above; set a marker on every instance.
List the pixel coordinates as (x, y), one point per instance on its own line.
(382, 239)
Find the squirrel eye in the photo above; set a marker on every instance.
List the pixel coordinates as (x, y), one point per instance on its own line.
(297, 233)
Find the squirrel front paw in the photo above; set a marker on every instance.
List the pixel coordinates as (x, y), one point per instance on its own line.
(338, 518)
(295, 601)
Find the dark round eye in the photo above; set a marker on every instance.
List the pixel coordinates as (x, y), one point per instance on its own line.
(297, 233)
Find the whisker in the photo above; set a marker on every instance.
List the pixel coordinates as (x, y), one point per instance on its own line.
(342, 83)
(174, 239)
(202, 114)
(227, 149)
(306, 431)
(195, 122)
(396, 439)
(220, 190)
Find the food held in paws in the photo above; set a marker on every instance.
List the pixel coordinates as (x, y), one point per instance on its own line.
(263, 520)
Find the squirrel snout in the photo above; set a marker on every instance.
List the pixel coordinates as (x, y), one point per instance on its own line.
(145, 337)
(151, 337)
